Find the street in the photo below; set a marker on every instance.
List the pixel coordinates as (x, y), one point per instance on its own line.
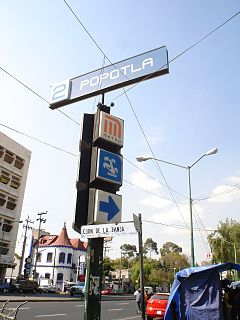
(74, 310)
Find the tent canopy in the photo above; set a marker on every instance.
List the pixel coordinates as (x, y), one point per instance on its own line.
(196, 293)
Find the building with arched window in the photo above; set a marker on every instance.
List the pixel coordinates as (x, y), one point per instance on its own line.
(59, 258)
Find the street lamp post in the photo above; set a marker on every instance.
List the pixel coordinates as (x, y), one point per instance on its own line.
(188, 168)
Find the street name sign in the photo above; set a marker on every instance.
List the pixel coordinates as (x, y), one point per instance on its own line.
(106, 230)
(104, 207)
(117, 75)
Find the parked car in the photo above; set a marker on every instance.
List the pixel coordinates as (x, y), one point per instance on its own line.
(4, 287)
(48, 288)
(107, 291)
(156, 306)
(25, 286)
(78, 288)
(118, 291)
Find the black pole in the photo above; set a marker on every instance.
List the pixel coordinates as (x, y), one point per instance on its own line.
(141, 265)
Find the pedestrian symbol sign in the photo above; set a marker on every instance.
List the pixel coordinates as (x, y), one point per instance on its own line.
(109, 167)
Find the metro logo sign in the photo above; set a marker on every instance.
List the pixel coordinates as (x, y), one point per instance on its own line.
(110, 129)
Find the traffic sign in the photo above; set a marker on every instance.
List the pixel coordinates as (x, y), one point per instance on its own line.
(109, 167)
(209, 255)
(104, 207)
(106, 230)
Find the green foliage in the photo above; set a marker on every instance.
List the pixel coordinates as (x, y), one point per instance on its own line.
(128, 250)
(169, 247)
(224, 241)
(107, 266)
(150, 246)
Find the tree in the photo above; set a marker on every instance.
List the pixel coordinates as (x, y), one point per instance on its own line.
(107, 266)
(149, 246)
(169, 247)
(224, 241)
(128, 250)
(174, 261)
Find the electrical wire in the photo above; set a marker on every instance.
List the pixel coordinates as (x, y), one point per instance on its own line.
(72, 154)
(201, 235)
(156, 195)
(133, 164)
(226, 192)
(47, 144)
(157, 163)
(125, 92)
(37, 94)
(178, 226)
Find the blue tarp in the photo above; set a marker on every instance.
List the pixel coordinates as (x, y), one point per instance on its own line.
(196, 293)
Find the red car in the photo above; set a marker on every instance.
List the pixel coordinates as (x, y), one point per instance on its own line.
(156, 306)
(106, 291)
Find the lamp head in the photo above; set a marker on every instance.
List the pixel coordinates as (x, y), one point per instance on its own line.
(211, 151)
(141, 159)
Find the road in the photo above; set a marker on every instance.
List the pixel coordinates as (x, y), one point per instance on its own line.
(74, 310)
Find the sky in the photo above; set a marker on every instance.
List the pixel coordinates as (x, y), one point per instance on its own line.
(180, 115)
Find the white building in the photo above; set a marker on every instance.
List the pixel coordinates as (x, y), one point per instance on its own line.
(59, 258)
(14, 164)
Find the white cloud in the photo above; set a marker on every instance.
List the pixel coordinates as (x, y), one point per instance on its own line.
(141, 180)
(156, 202)
(224, 193)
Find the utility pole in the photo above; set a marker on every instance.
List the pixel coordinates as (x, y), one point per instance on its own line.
(24, 244)
(138, 226)
(41, 220)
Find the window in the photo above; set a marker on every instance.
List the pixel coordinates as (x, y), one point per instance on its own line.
(60, 276)
(69, 258)
(47, 275)
(1, 151)
(4, 248)
(49, 257)
(7, 226)
(11, 203)
(15, 182)
(61, 257)
(19, 162)
(2, 199)
(4, 178)
(8, 157)
(39, 257)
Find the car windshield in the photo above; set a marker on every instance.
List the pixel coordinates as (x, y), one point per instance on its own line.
(160, 297)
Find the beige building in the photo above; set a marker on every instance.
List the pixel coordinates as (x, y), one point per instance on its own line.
(14, 164)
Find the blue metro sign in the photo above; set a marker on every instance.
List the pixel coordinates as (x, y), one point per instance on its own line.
(109, 167)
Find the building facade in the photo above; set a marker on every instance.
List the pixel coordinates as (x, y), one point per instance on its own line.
(14, 164)
(59, 258)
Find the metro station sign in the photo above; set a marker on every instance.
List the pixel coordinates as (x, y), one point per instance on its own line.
(145, 66)
(109, 129)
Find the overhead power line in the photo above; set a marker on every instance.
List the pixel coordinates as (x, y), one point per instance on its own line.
(43, 142)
